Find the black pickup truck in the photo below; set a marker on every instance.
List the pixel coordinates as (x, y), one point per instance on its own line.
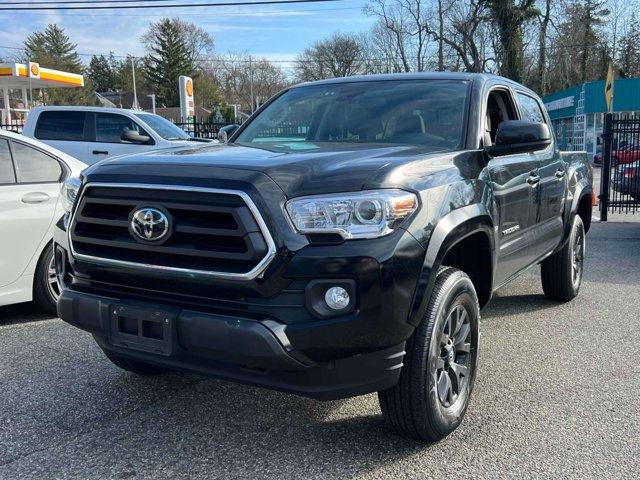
(341, 242)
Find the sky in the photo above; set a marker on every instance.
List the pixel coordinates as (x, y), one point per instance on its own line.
(277, 32)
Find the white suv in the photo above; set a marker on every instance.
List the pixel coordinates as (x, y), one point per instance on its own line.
(91, 134)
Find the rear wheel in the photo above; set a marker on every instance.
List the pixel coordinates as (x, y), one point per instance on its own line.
(561, 273)
(134, 366)
(436, 381)
(46, 288)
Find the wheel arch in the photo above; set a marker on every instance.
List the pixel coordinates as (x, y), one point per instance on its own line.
(464, 239)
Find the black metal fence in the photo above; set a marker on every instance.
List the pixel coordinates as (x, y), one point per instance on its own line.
(620, 181)
(12, 127)
(201, 129)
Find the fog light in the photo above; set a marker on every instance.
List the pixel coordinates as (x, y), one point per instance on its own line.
(337, 298)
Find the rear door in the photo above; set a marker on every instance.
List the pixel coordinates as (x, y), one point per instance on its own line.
(29, 190)
(548, 194)
(65, 130)
(513, 179)
(108, 143)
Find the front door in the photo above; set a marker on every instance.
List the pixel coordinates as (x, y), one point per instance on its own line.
(108, 137)
(513, 179)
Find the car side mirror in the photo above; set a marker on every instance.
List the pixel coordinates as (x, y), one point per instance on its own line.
(226, 132)
(520, 136)
(132, 136)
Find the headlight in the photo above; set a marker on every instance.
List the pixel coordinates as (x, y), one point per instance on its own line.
(366, 214)
(68, 192)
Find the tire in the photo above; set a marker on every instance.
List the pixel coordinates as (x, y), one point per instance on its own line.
(416, 407)
(46, 289)
(134, 366)
(561, 273)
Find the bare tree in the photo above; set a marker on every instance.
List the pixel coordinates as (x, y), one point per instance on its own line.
(545, 18)
(242, 78)
(465, 34)
(407, 22)
(339, 55)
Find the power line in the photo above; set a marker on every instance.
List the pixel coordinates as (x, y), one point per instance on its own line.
(92, 2)
(184, 5)
(274, 13)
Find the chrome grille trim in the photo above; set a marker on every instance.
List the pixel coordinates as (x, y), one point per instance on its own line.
(255, 272)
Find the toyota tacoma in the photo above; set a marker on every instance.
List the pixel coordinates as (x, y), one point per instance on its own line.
(342, 241)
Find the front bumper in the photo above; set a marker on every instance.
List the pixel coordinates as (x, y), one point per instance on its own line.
(245, 351)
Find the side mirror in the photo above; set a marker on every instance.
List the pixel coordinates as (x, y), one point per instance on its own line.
(226, 132)
(520, 136)
(132, 136)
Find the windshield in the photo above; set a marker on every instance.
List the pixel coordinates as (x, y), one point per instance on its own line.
(426, 113)
(163, 127)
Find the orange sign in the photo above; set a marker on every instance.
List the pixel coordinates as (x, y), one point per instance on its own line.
(189, 88)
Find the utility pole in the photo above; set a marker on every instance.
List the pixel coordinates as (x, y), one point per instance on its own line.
(251, 82)
(135, 105)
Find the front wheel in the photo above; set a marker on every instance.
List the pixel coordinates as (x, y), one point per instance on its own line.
(46, 288)
(561, 273)
(436, 381)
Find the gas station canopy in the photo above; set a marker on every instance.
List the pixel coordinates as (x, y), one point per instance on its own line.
(26, 77)
(19, 75)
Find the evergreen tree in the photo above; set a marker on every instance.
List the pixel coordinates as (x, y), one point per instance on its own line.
(169, 58)
(102, 74)
(629, 57)
(53, 49)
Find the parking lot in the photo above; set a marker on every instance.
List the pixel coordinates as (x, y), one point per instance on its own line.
(556, 395)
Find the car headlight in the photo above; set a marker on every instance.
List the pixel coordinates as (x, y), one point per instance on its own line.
(366, 214)
(69, 192)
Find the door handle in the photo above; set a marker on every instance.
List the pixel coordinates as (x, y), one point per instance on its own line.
(35, 197)
(560, 173)
(533, 179)
(100, 152)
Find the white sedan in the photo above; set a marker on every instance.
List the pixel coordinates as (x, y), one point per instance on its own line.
(31, 175)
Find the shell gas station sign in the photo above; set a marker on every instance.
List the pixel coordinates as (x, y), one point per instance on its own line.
(187, 105)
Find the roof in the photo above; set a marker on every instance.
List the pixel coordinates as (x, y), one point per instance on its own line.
(626, 98)
(407, 76)
(86, 109)
(18, 75)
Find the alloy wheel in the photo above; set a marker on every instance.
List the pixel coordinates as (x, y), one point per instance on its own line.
(577, 261)
(453, 363)
(53, 287)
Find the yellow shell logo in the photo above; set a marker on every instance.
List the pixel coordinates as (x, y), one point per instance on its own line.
(189, 88)
(34, 70)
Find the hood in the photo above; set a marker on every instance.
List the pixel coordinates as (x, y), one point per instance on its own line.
(303, 169)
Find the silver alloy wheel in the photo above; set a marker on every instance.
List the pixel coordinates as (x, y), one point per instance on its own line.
(452, 366)
(53, 287)
(577, 260)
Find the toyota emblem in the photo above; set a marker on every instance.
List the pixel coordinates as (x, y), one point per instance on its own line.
(149, 224)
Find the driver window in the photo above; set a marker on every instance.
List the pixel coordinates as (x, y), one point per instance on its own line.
(499, 108)
(110, 126)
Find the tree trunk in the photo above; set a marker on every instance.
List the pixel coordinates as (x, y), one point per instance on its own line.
(542, 57)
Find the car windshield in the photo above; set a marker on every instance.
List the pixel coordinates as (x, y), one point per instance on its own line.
(427, 113)
(163, 127)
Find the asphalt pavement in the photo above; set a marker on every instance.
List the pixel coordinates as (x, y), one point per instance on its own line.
(556, 396)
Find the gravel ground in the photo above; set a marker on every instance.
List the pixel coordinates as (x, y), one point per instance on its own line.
(556, 396)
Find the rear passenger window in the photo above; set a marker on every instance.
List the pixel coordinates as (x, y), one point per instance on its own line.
(6, 165)
(60, 125)
(530, 108)
(33, 166)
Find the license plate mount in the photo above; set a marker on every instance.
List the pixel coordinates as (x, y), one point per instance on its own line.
(144, 329)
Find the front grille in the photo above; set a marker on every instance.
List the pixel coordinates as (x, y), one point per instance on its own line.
(214, 232)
